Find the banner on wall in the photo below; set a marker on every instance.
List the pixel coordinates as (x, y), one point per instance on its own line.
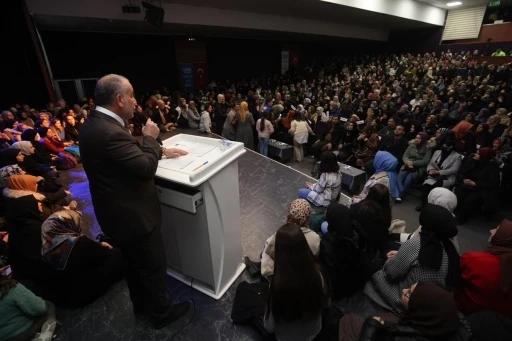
(201, 74)
(285, 61)
(187, 77)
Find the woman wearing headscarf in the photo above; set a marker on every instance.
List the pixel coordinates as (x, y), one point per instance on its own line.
(478, 182)
(41, 154)
(29, 164)
(8, 171)
(81, 265)
(50, 142)
(244, 131)
(465, 142)
(430, 127)
(432, 257)
(487, 275)
(298, 213)
(10, 157)
(483, 137)
(347, 141)
(495, 127)
(416, 158)
(441, 170)
(429, 314)
(482, 116)
(442, 197)
(19, 186)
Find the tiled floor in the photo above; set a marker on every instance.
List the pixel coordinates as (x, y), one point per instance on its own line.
(266, 189)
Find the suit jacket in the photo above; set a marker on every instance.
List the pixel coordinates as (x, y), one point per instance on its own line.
(447, 170)
(120, 172)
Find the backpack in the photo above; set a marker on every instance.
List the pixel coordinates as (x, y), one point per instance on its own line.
(66, 161)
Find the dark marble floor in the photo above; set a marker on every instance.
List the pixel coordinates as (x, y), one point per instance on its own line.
(266, 189)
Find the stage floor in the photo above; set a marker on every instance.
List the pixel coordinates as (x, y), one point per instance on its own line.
(267, 188)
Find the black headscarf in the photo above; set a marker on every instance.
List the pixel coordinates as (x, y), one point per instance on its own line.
(338, 217)
(437, 227)
(8, 157)
(29, 134)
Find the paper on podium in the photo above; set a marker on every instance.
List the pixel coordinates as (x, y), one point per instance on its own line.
(196, 149)
(178, 163)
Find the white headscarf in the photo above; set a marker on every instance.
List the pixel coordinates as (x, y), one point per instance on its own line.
(23, 146)
(443, 197)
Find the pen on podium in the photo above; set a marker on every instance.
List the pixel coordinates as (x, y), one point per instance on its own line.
(201, 165)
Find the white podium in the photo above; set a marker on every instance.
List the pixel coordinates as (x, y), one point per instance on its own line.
(200, 204)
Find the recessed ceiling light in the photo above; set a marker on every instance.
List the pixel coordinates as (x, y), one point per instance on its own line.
(456, 3)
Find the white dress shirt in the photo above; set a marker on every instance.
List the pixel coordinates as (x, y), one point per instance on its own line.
(111, 114)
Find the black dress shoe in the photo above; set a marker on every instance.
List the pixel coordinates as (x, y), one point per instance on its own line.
(174, 313)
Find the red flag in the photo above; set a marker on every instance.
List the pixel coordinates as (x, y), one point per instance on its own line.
(201, 74)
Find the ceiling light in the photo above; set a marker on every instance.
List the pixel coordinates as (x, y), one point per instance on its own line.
(456, 3)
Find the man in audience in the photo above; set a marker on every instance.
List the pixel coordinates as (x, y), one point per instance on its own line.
(395, 144)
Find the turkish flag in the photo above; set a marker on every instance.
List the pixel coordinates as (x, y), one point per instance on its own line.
(201, 74)
(295, 59)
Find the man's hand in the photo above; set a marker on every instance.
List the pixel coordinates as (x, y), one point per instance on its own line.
(150, 129)
(173, 152)
(107, 245)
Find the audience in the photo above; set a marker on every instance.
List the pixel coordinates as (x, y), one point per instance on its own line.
(328, 186)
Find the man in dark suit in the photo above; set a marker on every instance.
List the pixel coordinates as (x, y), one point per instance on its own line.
(120, 172)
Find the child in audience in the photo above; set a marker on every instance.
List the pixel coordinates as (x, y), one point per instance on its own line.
(328, 187)
(487, 276)
(430, 314)
(298, 213)
(22, 314)
(298, 291)
(432, 257)
(205, 123)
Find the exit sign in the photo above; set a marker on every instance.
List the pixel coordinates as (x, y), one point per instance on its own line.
(494, 4)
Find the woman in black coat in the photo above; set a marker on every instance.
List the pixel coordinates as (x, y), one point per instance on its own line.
(29, 163)
(41, 154)
(430, 315)
(347, 141)
(478, 181)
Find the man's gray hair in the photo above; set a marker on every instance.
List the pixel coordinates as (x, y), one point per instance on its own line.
(107, 88)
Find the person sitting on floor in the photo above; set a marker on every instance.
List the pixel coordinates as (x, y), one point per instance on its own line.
(441, 197)
(298, 213)
(50, 141)
(8, 171)
(80, 264)
(298, 291)
(41, 154)
(430, 314)
(328, 187)
(415, 159)
(19, 186)
(385, 166)
(432, 257)
(478, 183)
(22, 314)
(442, 171)
(72, 129)
(29, 164)
(487, 276)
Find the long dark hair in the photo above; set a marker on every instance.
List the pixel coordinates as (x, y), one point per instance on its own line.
(296, 291)
(328, 163)
(262, 121)
(380, 194)
(6, 284)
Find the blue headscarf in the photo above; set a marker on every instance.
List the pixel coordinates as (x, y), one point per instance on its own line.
(385, 162)
(484, 117)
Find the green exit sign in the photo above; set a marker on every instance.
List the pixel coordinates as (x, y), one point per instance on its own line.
(494, 4)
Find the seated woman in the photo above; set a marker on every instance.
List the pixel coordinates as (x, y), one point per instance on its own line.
(430, 314)
(365, 151)
(8, 171)
(193, 116)
(58, 129)
(483, 137)
(328, 187)
(465, 140)
(385, 166)
(432, 257)
(10, 130)
(22, 313)
(322, 145)
(81, 264)
(41, 154)
(416, 158)
(441, 171)
(441, 197)
(72, 129)
(478, 183)
(487, 275)
(298, 291)
(50, 141)
(24, 185)
(430, 127)
(298, 213)
(29, 164)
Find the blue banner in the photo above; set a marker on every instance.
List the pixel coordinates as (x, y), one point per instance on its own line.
(187, 75)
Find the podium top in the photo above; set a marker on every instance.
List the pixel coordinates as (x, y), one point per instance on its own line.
(207, 156)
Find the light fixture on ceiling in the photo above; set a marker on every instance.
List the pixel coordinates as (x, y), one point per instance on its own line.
(456, 3)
